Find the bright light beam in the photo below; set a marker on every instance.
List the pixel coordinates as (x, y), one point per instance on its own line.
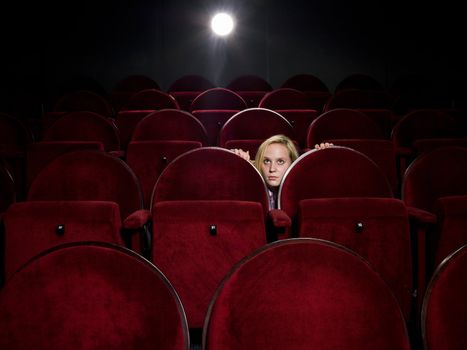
(222, 24)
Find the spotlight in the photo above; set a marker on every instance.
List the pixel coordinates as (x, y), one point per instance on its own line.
(222, 24)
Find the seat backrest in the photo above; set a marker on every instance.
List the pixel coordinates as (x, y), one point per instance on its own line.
(218, 98)
(150, 99)
(342, 123)
(128, 86)
(358, 98)
(444, 313)
(331, 173)
(424, 124)
(375, 228)
(7, 188)
(35, 226)
(15, 136)
(84, 126)
(439, 173)
(302, 294)
(305, 82)
(90, 296)
(186, 88)
(170, 124)
(83, 100)
(285, 98)
(251, 88)
(209, 208)
(360, 81)
(88, 175)
(451, 214)
(254, 124)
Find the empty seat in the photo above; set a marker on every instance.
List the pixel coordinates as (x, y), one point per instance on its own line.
(293, 105)
(186, 88)
(85, 126)
(150, 99)
(304, 294)
(249, 128)
(91, 296)
(209, 210)
(444, 317)
(157, 140)
(251, 87)
(128, 86)
(214, 107)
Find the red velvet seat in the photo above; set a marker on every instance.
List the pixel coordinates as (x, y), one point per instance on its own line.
(444, 317)
(249, 128)
(304, 294)
(128, 86)
(94, 176)
(85, 126)
(186, 88)
(157, 140)
(250, 87)
(209, 208)
(359, 98)
(342, 123)
(91, 296)
(150, 99)
(295, 106)
(316, 91)
(214, 107)
(83, 100)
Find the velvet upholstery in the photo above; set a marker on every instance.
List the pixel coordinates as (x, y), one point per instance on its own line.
(150, 99)
(426, 145)
(295, 106)
(39, 154)
(88, 175)
(382, 152)
(210, 173)
(331, 173)
(451, 232)
(359, 98)
(304, 294)
(84, 126)
(149, 158)
(439, 173)
(195, 243)
(218, 98)
(213, 120)
(209, 209)
(251, 88)
(128, 86)
(83, 100)
(384, 117)
(186, 88)
(444, 316)
(255, 124)
(305, 82)
(342, 123)
(170, 124)
(126, 122)
(91, 296)
(7, 188)
(375, 228)
(34, 226)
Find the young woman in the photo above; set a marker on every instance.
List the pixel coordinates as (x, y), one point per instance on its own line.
(273, 158)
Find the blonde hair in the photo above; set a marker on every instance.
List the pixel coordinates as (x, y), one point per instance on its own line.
(281, 139)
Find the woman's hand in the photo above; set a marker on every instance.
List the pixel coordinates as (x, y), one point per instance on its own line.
(241, 153)
(323, 145)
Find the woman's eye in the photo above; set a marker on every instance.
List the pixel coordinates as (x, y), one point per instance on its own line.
(266, 161)
(280, 162)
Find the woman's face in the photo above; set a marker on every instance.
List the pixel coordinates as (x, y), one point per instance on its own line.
(275, 162)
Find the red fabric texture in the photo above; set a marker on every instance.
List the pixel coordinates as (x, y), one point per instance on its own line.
(32, 227)
(149, 158)
(331, 173)
(7, 189)
(40, 154)
(137, 219)
(213, 120)
(342, 123)
(304, 294)
(88, 175)
(83, 100)
(211, 173)
(452, 223)
(444, 316)
(285, 98)
(440, 173)
(255, 123)
(169, 124)
(218, 98)
(195, 243)
(84, 126)
(91, 296)
(126, 122)
(375, 228)
(150, 99)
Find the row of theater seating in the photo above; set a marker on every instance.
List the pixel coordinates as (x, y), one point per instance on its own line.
(148, 140)
(209, 209)
(293, 294)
